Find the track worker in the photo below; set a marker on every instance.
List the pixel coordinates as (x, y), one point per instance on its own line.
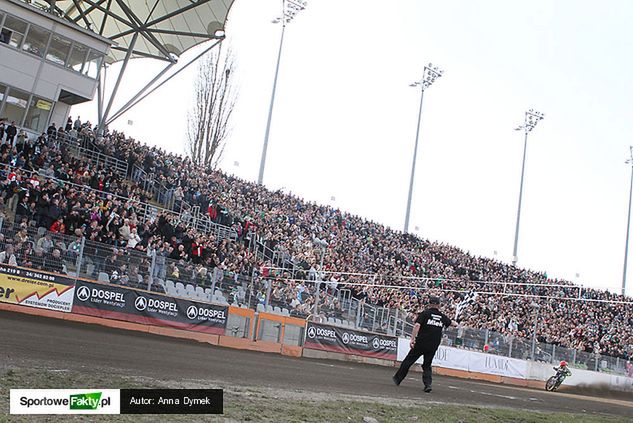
(425, 339)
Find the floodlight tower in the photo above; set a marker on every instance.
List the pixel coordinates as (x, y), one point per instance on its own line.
(532, 117)
(628, 225)
(290, 8)
(431, 73)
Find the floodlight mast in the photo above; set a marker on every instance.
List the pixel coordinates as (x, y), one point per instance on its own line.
(532, 117)
(430, 75)
(628, 225)
(290, 8)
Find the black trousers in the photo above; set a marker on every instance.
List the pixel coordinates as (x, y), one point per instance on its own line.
(415, 353)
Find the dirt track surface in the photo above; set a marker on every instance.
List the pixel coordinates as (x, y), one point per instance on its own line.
(29, 341)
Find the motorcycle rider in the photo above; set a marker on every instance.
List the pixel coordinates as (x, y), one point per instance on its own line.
(562, 369)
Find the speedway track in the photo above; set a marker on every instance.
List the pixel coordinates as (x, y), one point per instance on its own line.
(50, 343)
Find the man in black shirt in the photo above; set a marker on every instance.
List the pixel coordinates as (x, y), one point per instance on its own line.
(425, 339)
(11, 132)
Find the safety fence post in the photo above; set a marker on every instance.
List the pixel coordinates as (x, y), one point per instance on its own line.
(80, 257)
(152, 268)
(268, 284)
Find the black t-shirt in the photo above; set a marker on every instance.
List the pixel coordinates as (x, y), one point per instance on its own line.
(431, 321)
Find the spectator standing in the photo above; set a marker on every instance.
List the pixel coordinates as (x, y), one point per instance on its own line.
(11, 132)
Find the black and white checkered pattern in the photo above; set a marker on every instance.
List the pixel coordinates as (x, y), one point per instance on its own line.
(469, 299)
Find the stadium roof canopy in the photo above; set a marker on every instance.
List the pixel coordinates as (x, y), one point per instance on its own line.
(156, 29)
(165, 28)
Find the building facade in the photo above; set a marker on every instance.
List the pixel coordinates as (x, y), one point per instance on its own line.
(47, 64)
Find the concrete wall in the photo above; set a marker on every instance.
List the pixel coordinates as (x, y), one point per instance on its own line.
(60, 114)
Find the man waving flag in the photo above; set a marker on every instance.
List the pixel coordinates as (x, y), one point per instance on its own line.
(469, 299)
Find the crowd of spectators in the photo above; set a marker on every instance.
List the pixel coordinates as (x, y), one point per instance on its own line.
(379, 266)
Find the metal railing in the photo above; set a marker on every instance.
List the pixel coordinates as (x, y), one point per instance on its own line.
(159, 192)
(84, 147)
(73, 147)
(153, 269)
(112, 263)
(144, 211)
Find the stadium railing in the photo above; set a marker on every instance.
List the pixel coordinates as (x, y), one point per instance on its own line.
(73, 146)
(144, 211)
(112, 264)
(395, 322)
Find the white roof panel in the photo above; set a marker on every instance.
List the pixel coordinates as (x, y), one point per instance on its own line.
(165, 27)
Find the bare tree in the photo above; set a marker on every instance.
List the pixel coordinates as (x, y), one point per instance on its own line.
(214, 100)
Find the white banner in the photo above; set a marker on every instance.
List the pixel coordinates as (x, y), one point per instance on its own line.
(65, 401)
(496, 365)
(460, 359)
(449, 358)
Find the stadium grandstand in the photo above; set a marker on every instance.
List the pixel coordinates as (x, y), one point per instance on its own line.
(80, 200)
(160, 223)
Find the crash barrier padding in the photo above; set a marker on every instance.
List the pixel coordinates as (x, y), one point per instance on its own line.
(283, 330)
(325, 337)
(352, 358)
(150, 308)
(117, 324)
(240, 322)
(220, 340)
(131, 309)
(49, 299)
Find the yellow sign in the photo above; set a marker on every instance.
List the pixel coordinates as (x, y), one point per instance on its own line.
(27, 288)
(44, 105)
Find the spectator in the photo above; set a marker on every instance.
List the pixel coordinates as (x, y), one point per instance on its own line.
(11, 132)
(8, 256)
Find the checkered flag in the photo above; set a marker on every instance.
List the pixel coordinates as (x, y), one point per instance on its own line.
(469, 299)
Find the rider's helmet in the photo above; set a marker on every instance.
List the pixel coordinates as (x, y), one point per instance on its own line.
(563, 363)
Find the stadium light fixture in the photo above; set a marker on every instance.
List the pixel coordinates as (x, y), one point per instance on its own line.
(290, 9)
(430, 75)
(532, 117)
(628, 225)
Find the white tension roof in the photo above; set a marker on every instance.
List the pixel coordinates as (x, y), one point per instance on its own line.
(164, 27)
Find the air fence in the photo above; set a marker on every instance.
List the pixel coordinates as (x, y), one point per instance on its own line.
(152, 270)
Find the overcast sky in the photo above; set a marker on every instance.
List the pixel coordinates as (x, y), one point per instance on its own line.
(345, 119)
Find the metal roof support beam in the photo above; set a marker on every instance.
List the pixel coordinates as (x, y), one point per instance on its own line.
(118, 82)
(105, 18)
(116, 114)
(82, 15)
(109, 13)
(124, 110)
(151, 12)
(176, 12)
(147, 35)
(85, 12)
(100, 98)
(162, 18)
(139, 53)
(183, 33)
